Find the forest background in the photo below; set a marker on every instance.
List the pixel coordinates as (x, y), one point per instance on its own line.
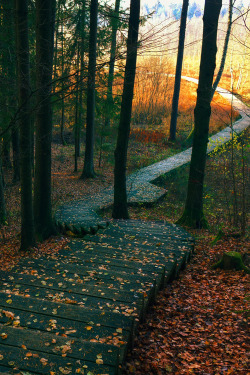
(158, 42)
(170, 337)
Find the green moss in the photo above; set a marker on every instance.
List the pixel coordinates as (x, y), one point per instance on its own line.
(231, 261)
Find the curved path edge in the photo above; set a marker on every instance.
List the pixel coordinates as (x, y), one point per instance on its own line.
(81, 217)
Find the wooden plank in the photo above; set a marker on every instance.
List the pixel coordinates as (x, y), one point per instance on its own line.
(127, 309)
(141, 259)
(129, 280)
(106, 261)
(5, 370)
(68, 328)
(61, 310)
(127, 251)
(119, 299)
(60, 284)
(151, 244)
(144, 273)
(43, 363)
(86, 275)
(152, 225)
(54, 344)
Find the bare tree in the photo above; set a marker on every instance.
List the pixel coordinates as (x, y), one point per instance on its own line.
(178, 69)
(225, 47)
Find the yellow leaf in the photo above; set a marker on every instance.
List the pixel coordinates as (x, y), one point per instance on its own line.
(99, 361)
(88, 328)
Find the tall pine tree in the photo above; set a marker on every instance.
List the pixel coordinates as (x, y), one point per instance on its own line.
(22, 38)
(45, 20)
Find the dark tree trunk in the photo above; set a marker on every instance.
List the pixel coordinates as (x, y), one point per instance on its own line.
(225, 47)
(80, 75)
(3, 214)
(120, 208)
(88, 169)
(114, 22)
(16, 154)
(193, 214)
(82, 68)
(77, 127)
(45, 18)
(6, 151)
(63, 88)
(27, 218)
(8, 74)
(178, 69)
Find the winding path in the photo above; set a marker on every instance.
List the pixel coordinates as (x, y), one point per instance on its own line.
(77, 312)
(82, 216)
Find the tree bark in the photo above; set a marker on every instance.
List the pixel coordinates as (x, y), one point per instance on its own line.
(3, 214)
(88, 169)
(16, 154)
(114, 23)
(77, 125)
(82, 69)
(120, 208)
(193, 213)
(63, 88)
(178, 69)
(45, 19)
(80, 84)
(225, 47)
(27, 217)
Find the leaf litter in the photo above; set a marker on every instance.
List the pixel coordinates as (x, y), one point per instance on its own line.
(199, 322)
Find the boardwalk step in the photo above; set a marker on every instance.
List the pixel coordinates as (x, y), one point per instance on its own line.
(89, 296)
(36, 344)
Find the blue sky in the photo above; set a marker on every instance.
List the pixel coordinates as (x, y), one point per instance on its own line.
(164, 7)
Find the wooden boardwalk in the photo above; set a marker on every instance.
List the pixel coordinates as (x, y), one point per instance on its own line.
(77, 312)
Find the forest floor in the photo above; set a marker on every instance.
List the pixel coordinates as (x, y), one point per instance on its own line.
(199, 322)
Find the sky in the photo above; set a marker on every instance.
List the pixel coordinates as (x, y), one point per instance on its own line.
(164, 7)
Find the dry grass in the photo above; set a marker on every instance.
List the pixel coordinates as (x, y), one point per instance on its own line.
(159, 108)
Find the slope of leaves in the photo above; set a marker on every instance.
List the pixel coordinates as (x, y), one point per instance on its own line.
(199, 323)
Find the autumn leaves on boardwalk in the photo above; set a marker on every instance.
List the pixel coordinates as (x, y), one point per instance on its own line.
(78, 311)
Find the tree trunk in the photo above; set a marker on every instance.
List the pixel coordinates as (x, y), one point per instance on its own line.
(231, 260)
(193, 214)
(88, 169)
(120, 208)
(3, 214)
(77, 127)
(114, 22)
(45, 18)
(178, 69)
(225, 47)
(6, 150)
(63, 88)
(82, 68)
(16, 154)
(27, 217)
